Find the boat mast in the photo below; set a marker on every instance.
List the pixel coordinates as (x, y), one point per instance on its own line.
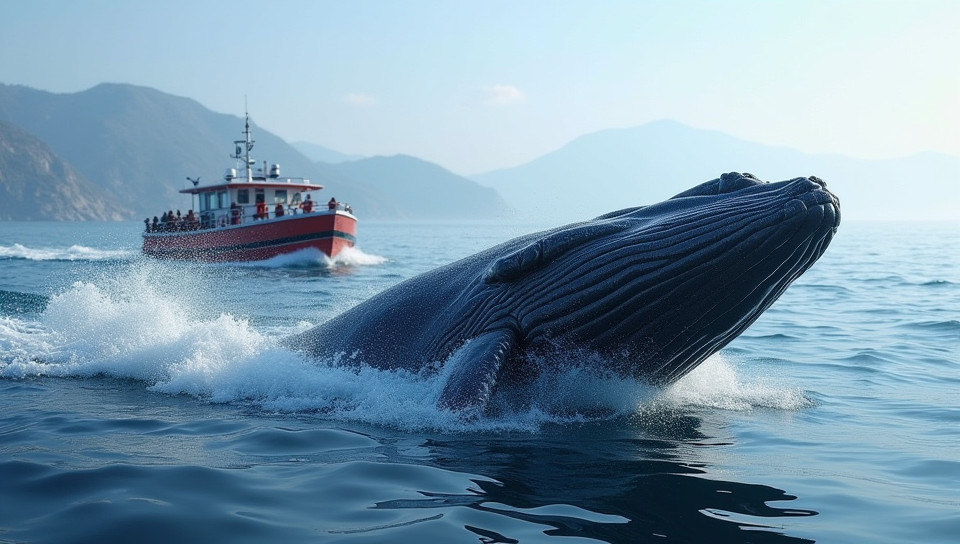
(244, 152)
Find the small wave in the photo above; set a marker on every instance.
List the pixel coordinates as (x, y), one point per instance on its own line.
(937, 283)
(775, 337)
(950, 326)
(72, 253)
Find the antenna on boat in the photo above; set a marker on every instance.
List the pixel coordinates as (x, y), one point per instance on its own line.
(244, 151)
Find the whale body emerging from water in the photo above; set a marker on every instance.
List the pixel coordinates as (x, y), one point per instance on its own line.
(652, 291)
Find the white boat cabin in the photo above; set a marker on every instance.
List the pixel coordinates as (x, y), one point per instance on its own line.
(238, 201)
(258, 194)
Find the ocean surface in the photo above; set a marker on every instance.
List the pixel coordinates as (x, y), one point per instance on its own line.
(147, 401)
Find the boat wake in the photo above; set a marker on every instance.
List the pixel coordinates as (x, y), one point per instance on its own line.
(131, 330)
(312, 257)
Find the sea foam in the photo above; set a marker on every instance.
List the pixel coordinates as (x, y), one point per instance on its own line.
(127, 327)
(348, 256)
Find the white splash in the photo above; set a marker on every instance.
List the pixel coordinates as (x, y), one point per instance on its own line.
(354, 256)
(129, 328)
(717, 384)
(349, 256)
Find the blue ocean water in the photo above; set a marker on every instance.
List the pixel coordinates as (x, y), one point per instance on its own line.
(148, 401)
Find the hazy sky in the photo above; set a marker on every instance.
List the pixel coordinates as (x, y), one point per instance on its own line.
(480, 85)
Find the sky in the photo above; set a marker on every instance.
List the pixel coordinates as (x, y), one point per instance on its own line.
(481, 85)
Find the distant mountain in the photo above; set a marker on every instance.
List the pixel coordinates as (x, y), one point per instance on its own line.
(130, 149)
(36, 184)
(420, 189)
(319, 153)
(138, 145)
(614, 169)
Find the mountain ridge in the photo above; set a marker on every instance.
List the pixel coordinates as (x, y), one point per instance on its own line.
(53, 189)
(423, 188)
(139, 145)
(134, 146)
(320, 153)
(616, 168)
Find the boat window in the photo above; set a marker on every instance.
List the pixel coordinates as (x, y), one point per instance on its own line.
(259, 196)
(280, 196)
(296, 198)
(208, 201)
(223, 199)
(243, 196)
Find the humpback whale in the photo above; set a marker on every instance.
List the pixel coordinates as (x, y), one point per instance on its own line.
(652, 291)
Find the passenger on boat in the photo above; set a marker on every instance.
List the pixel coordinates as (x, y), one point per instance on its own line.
(307, 205)
(155, 227)
(278, 210)
(347, 208)
(234, 213)
(261, 210)
(332, 205)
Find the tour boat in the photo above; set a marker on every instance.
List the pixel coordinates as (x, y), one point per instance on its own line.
(251, 217)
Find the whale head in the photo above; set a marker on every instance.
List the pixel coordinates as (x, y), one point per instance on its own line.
(658, 289)
(653, 291)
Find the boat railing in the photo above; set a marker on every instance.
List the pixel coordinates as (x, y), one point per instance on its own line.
(231, 217)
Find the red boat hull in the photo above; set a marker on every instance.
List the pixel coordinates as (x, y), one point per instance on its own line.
(258, 240)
